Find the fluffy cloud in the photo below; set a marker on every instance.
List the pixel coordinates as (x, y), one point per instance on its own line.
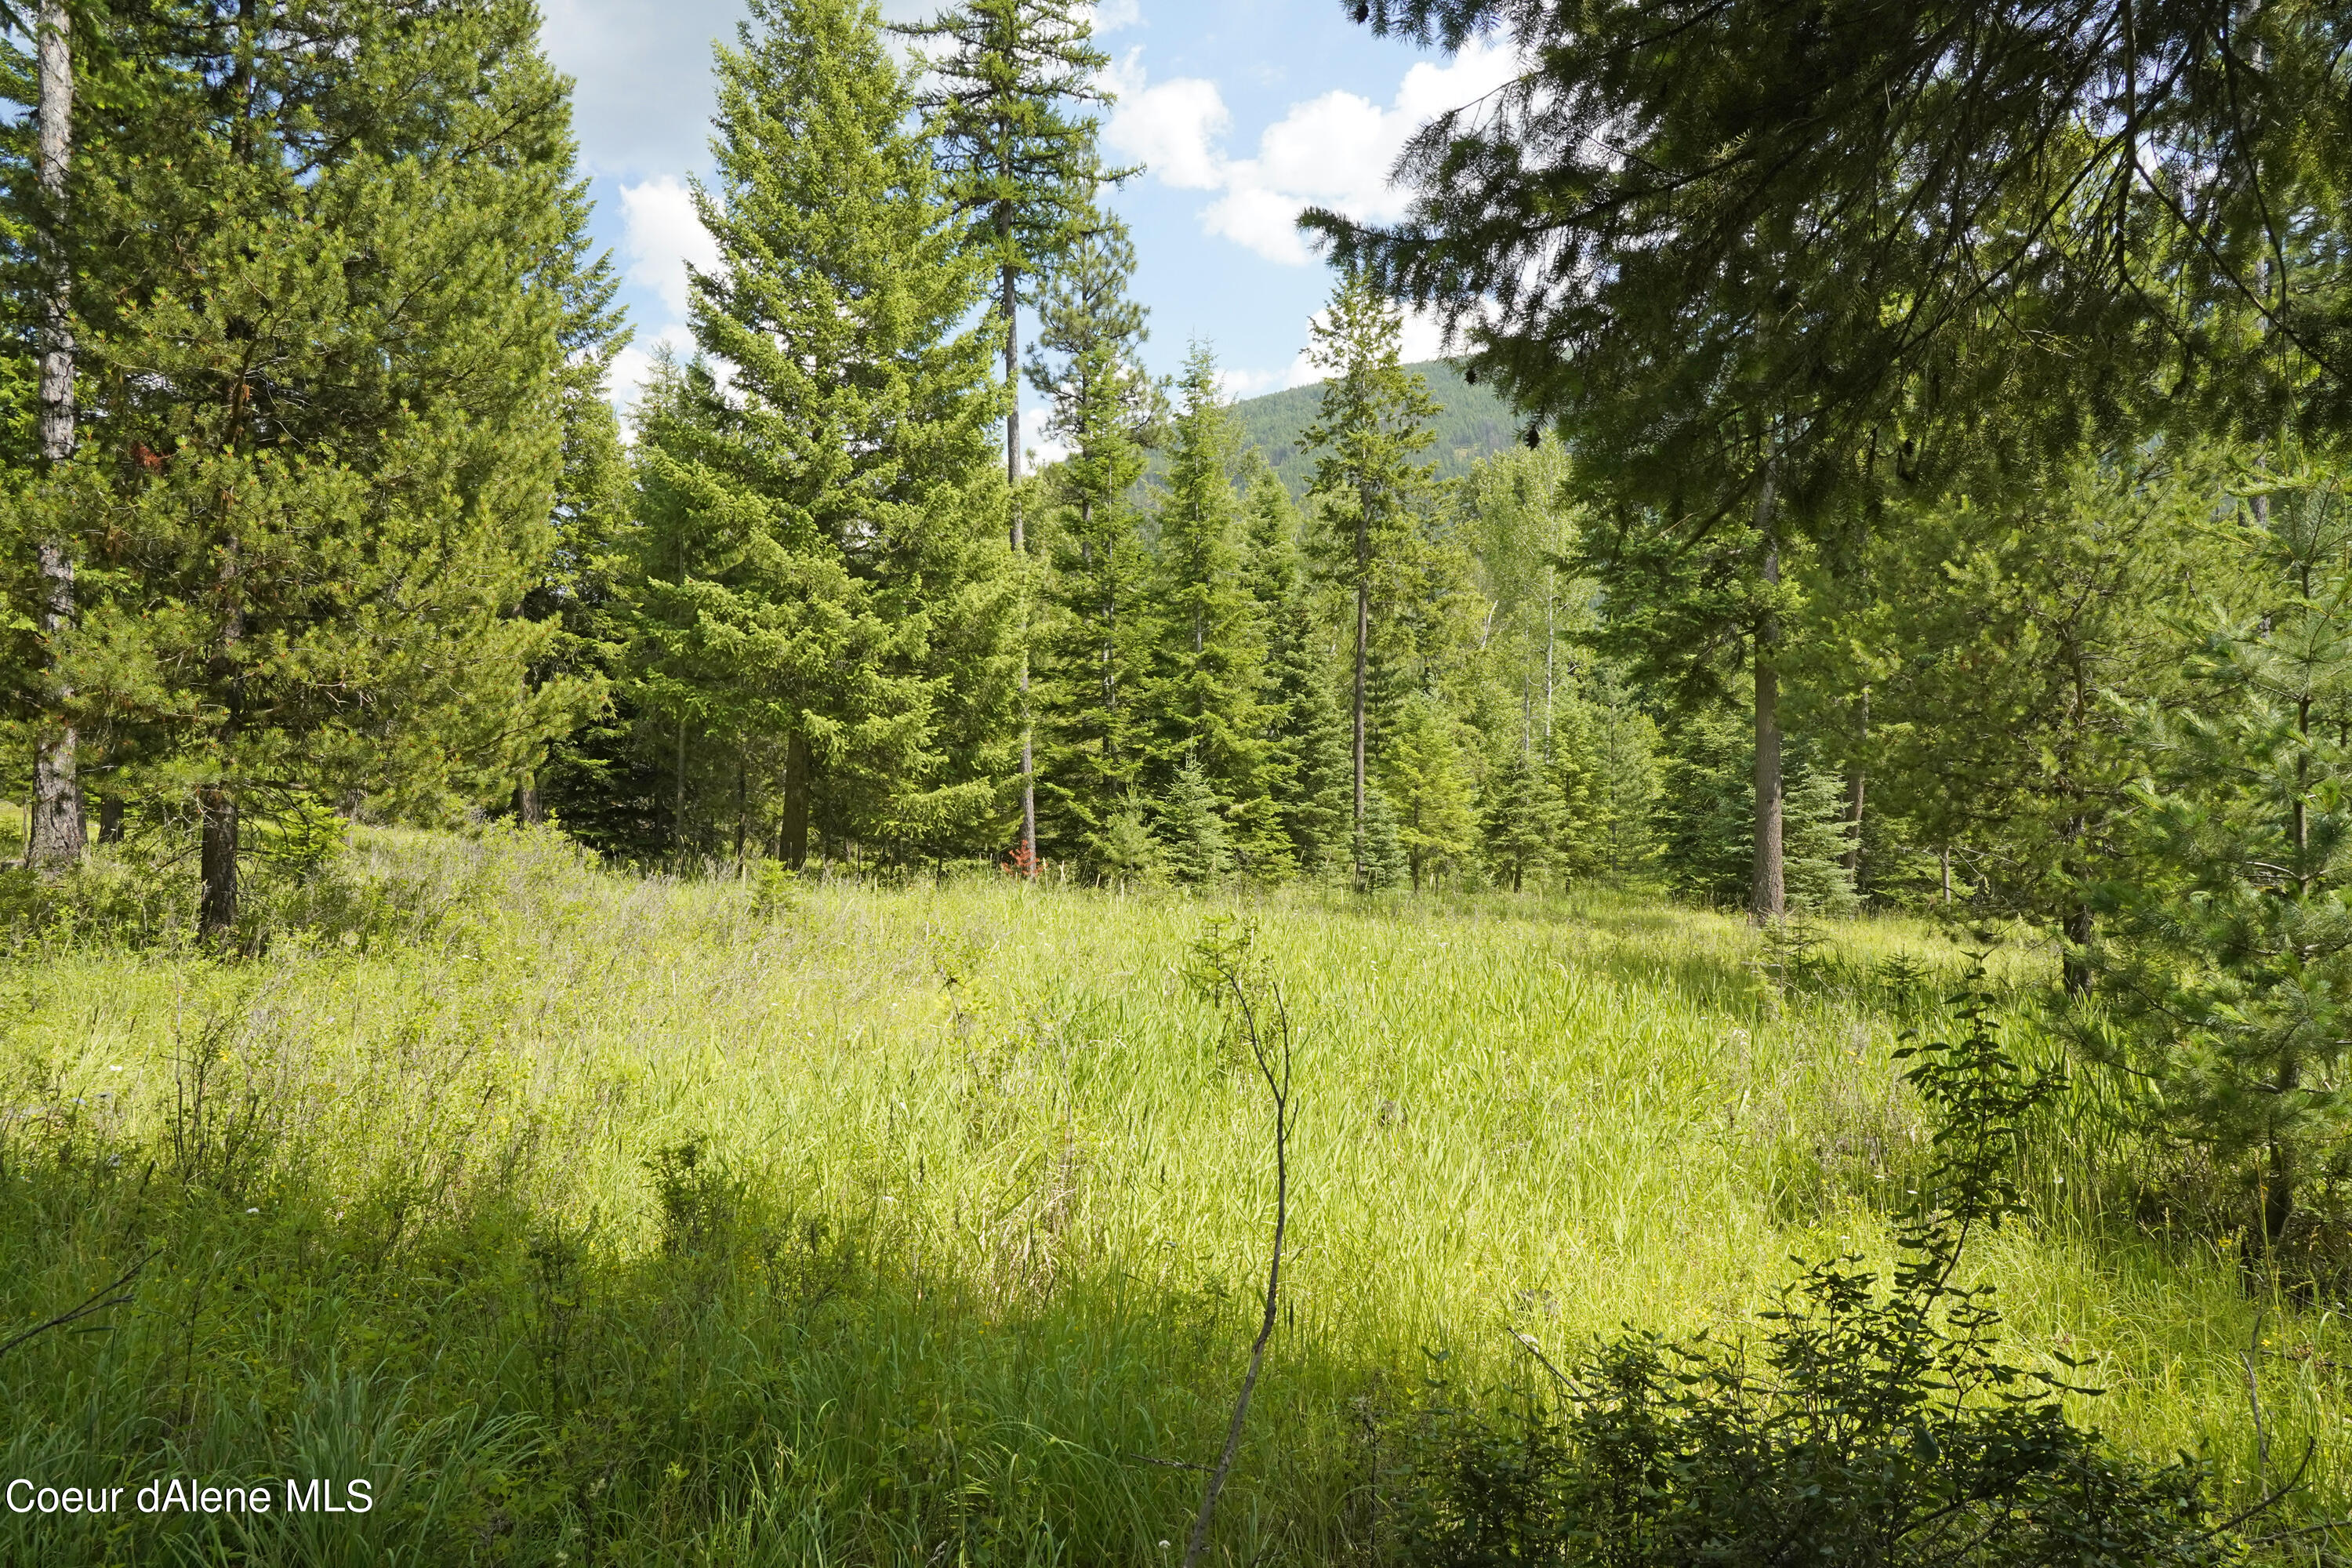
(1334, 151)
(1422, 340)
(1038, 447)
(661, 235)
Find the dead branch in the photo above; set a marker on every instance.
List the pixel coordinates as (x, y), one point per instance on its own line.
(1228, 967)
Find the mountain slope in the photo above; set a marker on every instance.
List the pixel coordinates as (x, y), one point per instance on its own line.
(1474, 423)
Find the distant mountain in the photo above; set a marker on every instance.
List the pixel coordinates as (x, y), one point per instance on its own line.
(1474, 423)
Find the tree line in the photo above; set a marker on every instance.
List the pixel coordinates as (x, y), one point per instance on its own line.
(316, 503)
(1933, 491)
(1957, 392)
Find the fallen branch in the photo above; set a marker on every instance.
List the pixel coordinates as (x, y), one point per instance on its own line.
(99, 1301)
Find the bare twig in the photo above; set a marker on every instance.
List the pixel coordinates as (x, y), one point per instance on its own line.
(1527, 1342)
(2254, 1398)
(1166, 1464)
(105, 1296)
(1227, 963)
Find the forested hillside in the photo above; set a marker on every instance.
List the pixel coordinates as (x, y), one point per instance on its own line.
(1471, 423)
(770, 979)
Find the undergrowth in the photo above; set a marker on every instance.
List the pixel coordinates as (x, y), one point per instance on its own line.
(600, 1218)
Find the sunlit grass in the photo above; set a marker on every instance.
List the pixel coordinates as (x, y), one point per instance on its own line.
(989, 1191)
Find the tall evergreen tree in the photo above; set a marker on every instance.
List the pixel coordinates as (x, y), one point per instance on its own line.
(1094, 643)
(1371, 424)
(332, 263)
(1306, 741)
(1519, 820)
(1707, 613)
(814, 562)
(593, 500)
(2230, 958)
(1208, 662)
(2006, 629)
(1425, 777)
(1019, 155)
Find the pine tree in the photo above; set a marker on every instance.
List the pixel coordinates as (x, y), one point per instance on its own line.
(1020, 159)
(2009, 629)
(1426, 780)
(2228, 963)
(332, 266)
(592, 503)
(1371, 425)
(1707, 807)
(1520, 820)
(1094, 643)
(1819, 835)
(813, 553)
(1195, 846)
(1377, 845)
(1304, 765)
(1621, 833)
(1207, 668)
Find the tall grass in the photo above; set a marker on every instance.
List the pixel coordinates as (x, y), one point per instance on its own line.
(600, 1218)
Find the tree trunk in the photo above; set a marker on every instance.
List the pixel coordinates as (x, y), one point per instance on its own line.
(527, 807)
(1855, 789)
(109, 819)
(216, 906)
(1769, 896)
(743, 808)
(1551, 599)
(677, 799)
(1008, 283)
(2076, 969)
(1944, 859)
(1363, 639)
(2279, 1181)
(793, 840)
(1010, 279)
(57, 836)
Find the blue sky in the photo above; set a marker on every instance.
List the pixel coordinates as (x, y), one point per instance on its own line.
(1244, 111)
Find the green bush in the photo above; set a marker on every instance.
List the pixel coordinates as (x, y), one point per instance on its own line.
(1877, 1423)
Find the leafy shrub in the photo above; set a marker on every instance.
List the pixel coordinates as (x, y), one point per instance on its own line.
(1878, 1421)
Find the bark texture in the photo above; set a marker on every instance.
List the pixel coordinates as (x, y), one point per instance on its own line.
(1769, 897)
(56, 835)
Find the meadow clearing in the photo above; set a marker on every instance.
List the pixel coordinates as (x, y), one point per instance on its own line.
(599, 1218)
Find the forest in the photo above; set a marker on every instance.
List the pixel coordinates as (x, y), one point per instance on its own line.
(1713, 930)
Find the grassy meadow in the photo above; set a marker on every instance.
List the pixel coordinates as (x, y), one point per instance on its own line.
(595, 1218)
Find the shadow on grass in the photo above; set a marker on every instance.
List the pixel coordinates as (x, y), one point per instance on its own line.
(769, 1385)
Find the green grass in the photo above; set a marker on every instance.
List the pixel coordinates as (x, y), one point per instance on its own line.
(962, 1266)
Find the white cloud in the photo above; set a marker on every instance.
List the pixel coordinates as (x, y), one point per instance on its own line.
(1236, 385)
(1040, 447)
(1110, 16)
(1333, 150)
(1174, 127)
(1423, 338)
(661, 235)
